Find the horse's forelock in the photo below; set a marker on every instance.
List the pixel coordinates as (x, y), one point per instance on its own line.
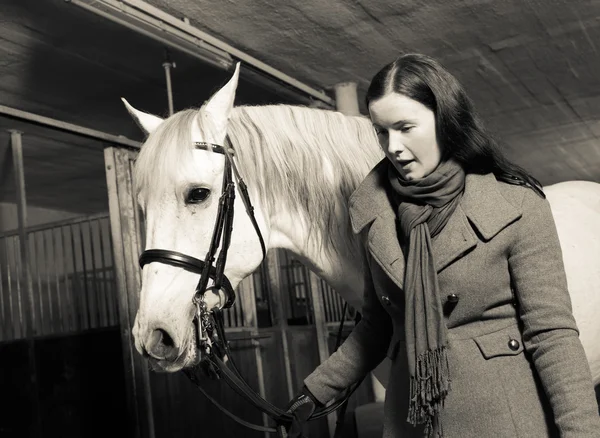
(164, 154)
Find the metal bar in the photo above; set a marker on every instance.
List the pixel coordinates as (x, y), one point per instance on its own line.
(67, 127)
(332, 307)
(326, 303)
(331, 297)
(338, 310)
(11, 320)
(105, 277)
(308, 309)
(95, 292)
(80, 313)
(290, 282)
(72, 322)
(114, 277)
(86, 293)
(53, 320)
(21, 332)
(168, 65)
(17, 153)
(57, 257)
(34, 267)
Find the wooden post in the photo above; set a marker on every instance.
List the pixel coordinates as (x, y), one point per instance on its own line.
(126, 247)
(278, 314)
(322, 333)
(251, 325)
(28, 314)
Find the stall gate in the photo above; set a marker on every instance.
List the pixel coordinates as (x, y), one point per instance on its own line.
(60, 355)
(283, 325)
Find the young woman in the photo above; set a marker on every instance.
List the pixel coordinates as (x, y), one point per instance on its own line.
(465, 288)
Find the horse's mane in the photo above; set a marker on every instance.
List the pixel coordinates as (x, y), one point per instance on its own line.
(296, 158)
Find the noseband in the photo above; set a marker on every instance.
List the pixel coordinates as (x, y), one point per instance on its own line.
(217, 361)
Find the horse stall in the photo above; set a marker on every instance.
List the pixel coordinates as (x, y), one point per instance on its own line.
(62, 366)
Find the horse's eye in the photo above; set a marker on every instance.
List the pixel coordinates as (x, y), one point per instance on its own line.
(197, 195)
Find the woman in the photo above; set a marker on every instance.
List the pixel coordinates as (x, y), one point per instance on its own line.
(465, 288)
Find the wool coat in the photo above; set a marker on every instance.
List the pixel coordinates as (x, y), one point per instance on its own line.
(517, 366)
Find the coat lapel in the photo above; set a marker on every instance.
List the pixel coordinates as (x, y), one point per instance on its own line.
(487, 208)
(385, 249)
(481, 214)
(454, 241)
(370, 204)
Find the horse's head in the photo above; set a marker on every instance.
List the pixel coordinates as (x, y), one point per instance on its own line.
(178, 188)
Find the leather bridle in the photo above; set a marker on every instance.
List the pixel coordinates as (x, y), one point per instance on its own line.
(216, 359)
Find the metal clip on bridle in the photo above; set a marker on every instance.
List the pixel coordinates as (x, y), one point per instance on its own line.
(217, 360)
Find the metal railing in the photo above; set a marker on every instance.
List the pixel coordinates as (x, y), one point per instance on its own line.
(71, 276)
(296, 284)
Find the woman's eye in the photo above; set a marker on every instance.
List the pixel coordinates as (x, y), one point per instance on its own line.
(380, 131)
(406, 129)
(197, 195)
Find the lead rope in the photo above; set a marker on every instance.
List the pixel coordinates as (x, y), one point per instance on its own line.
(234, 379)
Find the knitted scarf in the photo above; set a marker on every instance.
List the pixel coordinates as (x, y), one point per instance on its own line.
(423, 209)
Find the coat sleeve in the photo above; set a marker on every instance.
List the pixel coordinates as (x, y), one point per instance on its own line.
(361, 352)
(550, 333)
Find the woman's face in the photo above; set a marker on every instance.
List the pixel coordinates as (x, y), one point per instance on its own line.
(406, 132)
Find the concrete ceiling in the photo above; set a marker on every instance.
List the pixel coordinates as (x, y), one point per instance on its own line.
(530, 66)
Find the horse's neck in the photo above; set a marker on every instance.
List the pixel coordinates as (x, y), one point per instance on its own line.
(342, 271)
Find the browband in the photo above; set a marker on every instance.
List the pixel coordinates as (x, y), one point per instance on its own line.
(211, 147)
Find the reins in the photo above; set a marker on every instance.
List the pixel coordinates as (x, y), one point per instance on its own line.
(216, 358)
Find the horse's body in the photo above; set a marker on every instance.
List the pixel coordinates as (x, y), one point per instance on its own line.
(301, 166)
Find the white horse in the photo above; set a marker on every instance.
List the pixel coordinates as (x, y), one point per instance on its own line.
(301, 166)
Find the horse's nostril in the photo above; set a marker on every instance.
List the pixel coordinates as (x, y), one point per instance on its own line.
(161, 345)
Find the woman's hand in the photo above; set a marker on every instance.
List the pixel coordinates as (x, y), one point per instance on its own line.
(301, 407)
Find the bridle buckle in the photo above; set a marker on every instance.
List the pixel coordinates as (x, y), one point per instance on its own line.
(203, 324)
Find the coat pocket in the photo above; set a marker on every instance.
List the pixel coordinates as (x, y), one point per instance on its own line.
(504, 342)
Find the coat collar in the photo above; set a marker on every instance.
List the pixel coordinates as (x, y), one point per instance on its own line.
(483, 211)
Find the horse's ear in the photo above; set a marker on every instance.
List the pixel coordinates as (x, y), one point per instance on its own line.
(220, 104)
(146, 121)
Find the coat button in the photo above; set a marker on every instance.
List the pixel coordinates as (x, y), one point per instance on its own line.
(453, 298)
(385, 300)
(513, 344)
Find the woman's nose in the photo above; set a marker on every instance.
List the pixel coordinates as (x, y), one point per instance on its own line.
(395, 145)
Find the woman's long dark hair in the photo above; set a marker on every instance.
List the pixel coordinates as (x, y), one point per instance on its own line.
(460, 133)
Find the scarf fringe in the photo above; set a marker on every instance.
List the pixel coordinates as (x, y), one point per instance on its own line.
(428, 390)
